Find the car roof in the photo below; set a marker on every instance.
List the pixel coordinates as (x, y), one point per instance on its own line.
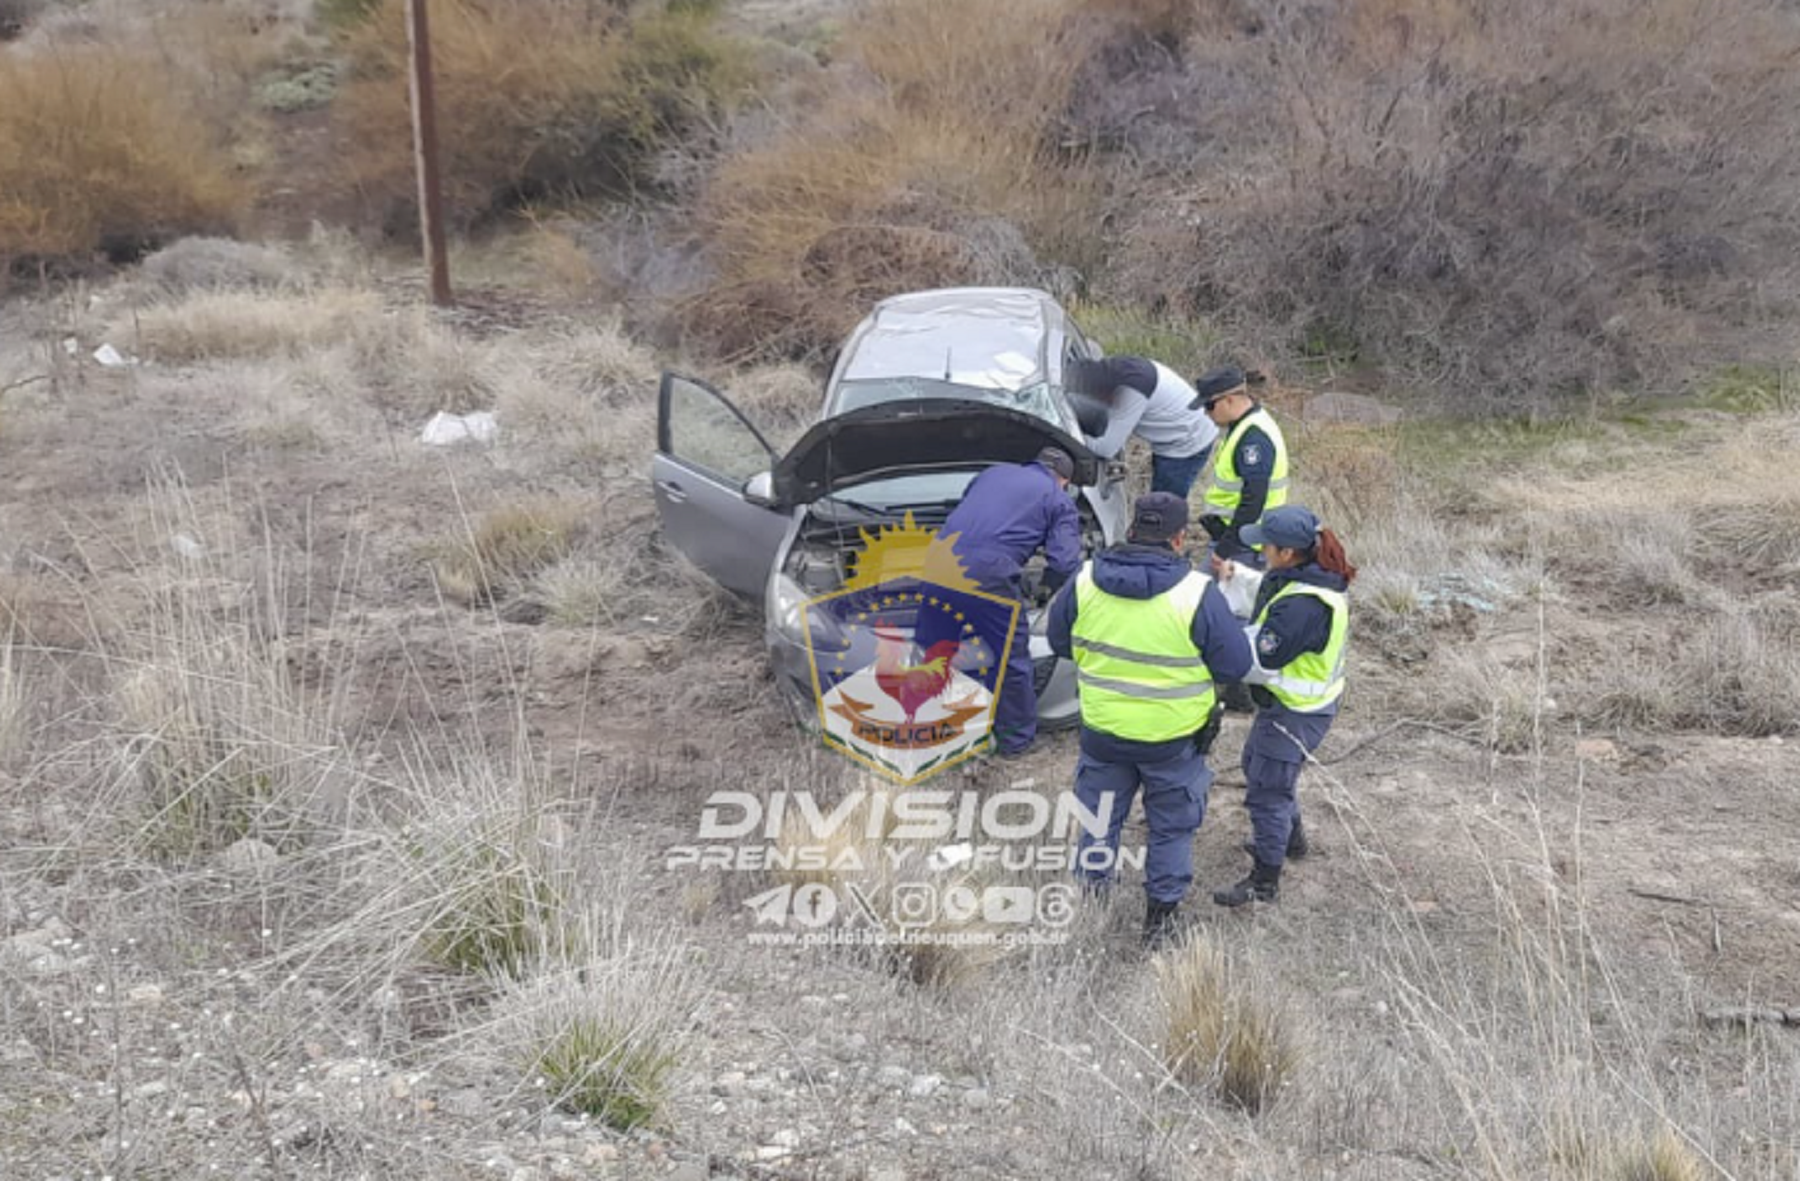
(989, 337)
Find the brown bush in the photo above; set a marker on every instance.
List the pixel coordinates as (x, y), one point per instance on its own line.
(1511, 201)
(535, 98)
(99, 151)
(939, 165)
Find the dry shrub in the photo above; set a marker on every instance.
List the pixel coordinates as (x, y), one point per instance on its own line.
(1347, 474)
(101, 151)
(211, 264)
(506, 547)
(535, 98)
(1504, 704)
(1505, 202)
(209, 324)
(938, 170)
(1223, 1029)
(1733, 673)
(1611, 1156)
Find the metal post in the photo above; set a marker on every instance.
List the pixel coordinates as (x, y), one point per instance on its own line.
(424, 112)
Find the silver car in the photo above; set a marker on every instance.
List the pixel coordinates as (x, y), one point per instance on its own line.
(928, 390)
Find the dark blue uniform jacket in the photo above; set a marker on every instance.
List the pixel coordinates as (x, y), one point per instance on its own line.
(1006, 513)
(1143, 572)
(1297, 624)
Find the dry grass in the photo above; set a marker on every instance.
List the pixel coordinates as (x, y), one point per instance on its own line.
(547, 100)
(1611, 1156)
(507, 547)
(99, 151)
(218, 325)
(1223, 1030)
(924, 177)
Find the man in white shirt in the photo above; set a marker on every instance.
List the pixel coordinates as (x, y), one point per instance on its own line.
(1148, 399)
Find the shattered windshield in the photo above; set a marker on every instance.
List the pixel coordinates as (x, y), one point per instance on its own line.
(1034, 399)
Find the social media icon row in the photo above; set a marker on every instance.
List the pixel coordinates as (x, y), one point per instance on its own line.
(920, 904)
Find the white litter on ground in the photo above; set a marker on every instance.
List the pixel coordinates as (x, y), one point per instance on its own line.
(447, 430)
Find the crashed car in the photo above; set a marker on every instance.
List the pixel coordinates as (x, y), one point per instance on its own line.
(928, 390)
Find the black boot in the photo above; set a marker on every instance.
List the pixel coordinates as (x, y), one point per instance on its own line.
(1297, 847)
(1263, 885)
(1159, 923)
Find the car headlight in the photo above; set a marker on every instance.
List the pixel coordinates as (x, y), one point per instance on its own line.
(789, 617)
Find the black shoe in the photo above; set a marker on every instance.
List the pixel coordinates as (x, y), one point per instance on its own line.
(1297, 848)
(1159, 923)
(1263, 885)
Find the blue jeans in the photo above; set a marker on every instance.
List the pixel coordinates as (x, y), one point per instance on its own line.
(1175, 793)
(1177, 475)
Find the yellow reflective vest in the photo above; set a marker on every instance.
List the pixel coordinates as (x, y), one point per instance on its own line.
(1227, 487)
(1140, 676)
(1312, 680)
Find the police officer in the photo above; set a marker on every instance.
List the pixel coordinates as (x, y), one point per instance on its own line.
(1250, 466)
(1148, 399)
(1302, 634)
(1148, 635)
(1006, 514)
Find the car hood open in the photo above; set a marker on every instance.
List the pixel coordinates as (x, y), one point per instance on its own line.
(917, 434)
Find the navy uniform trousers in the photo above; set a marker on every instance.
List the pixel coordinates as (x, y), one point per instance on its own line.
(1279, 742)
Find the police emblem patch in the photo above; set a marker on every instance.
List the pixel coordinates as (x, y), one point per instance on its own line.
(1253, 453)
(1267, 641)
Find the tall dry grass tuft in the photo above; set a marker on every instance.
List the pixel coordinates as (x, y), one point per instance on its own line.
(1223, 1030)
(100, 151)
(208, 325)
(547, 100)
(506, 547)
(940, 170)
(604, 1034)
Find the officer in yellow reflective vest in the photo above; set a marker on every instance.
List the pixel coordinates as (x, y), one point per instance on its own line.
(1301, 637)
(1149, 636)
(1250, 464)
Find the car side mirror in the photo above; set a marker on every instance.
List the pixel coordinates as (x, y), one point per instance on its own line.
(760, 490)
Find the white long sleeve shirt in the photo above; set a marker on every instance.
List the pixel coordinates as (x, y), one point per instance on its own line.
(1153, 402)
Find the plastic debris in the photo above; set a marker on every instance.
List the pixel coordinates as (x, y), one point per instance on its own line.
(447, 430)
(111, 357)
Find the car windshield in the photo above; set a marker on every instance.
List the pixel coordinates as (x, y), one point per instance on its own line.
(1034, 399)
(917, 490)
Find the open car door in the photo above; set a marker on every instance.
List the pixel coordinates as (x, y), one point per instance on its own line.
(706, 451)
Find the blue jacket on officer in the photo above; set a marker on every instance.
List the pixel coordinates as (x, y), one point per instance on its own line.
(1150, 637)
(1007, 514)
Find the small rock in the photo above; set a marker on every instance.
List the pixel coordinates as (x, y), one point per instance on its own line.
(904, 1128)
(893, 1076)
(1597, 750)
(527, 1173)
(398, 1087)
(249, 854)
(977, 1100)
(786, 1138)
(689, 1171)
(772, 1152)
(147, 995)
(151, 1090)
(925, 1086)
(729, 1083)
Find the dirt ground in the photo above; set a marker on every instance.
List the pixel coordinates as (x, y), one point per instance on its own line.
(1485, 938)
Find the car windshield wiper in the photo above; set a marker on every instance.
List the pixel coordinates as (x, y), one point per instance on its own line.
(857, 506)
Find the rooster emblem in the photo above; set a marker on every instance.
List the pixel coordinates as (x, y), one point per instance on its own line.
(912, 685)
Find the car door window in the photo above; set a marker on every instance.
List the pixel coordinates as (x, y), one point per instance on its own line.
(701, 428)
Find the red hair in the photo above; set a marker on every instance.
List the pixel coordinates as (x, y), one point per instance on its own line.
(1328, 552)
